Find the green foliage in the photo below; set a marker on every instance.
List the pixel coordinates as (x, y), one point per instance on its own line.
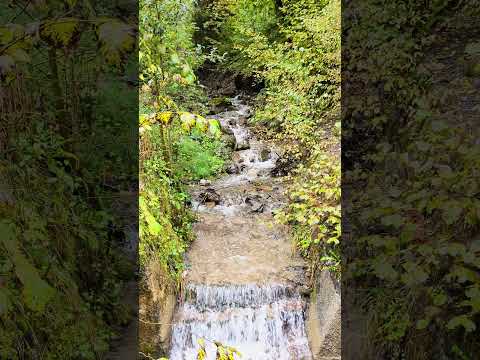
(61, 269)
(295, 50)
(415, 251)
(198, 159)
(314, 211)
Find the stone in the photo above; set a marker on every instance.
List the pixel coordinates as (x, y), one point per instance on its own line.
(226, 129)
(243, 144)
(255, 203)
(232, 169)
(205, 182)
(210, 196)
(229, 141)
(265, 154)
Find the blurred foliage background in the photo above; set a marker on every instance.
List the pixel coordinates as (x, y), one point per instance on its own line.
(66, 182)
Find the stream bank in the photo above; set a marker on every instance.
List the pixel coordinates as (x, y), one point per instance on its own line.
(244, 285)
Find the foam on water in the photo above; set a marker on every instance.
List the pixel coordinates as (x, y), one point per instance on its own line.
(262, 322)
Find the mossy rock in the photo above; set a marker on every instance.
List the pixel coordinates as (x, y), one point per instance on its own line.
(220, 101)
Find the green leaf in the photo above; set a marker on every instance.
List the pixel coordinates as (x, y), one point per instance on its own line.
(394, 220)
(422, 324)
(451, 212)
(461, 320)
(116, 40)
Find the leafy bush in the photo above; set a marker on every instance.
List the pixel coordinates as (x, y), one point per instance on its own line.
(198, 159)
(61, 267)
(415, 204)
(295, 50)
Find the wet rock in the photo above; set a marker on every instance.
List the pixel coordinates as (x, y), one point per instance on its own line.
(263, 173)
(256, 204)
(259, 208)
(210, 196)
(220, 104)
(242, 121)
(229, 141)
(226, 129)
(265, 154)
(205, 182)
(305, 290)
(242, 144)
(232, 169)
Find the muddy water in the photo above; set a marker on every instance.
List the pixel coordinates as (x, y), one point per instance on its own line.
(242, 279)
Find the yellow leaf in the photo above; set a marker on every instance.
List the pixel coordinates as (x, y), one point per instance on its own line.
(165, 117)
(63, 32)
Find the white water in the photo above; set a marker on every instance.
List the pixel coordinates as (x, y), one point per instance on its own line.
(262, 322)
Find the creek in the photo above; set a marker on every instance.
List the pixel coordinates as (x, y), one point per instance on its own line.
(243, 277)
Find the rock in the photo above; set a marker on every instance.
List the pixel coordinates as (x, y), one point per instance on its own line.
(255, 203)
(243, 121)
(258, 209)
(243, 144)
(226, 129)
(305, 290)
(265, 154)
(229, 141)
(229, 89)
(205, 182)
(220, 104)
(210, 196)
(232, 169)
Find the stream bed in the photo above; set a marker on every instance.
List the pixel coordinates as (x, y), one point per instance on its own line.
(243, 279)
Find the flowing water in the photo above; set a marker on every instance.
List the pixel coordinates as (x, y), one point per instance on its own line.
(242, 278)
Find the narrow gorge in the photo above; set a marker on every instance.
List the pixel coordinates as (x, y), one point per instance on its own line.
(244, 281)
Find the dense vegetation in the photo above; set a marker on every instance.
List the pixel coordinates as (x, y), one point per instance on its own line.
(62, 177)
(177, 146)
(293, 48)
(411, 163)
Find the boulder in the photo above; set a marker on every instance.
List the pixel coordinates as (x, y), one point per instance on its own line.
(255, 203)
(226, 129)
(232, 169)
(242, 144)
(205, 182)
(265, 154)
(210, 196)
(229, 141)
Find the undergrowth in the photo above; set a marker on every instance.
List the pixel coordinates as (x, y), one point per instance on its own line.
(294, 49)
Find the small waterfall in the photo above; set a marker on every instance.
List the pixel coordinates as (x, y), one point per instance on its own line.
(261, 322)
